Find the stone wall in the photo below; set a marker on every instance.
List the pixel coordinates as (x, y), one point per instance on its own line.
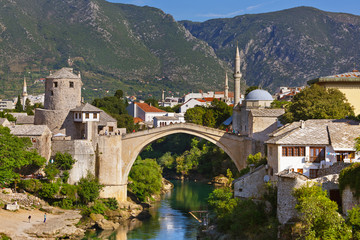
(83, 152)
(348, 200)
(334, 169)
(251, 185)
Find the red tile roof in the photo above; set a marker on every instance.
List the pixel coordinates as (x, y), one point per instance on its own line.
(137, 120)
(146, 108)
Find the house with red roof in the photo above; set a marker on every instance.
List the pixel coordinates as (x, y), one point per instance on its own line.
(145, 112)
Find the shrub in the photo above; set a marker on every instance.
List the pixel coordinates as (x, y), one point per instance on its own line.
(64, 203)
(70, 191)
(89, 189)
(350, 176)
(354, 221)
(51, 171)
(98, 208)
(31, 185)
(146, 178)
(65, 176)
(111, 203)
(64, 161)
(49, 190)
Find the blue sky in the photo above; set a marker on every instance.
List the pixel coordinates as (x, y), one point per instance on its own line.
(202, 10)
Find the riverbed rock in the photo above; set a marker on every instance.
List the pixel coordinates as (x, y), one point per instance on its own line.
(220, 180)
(166, 185)
(104, 224)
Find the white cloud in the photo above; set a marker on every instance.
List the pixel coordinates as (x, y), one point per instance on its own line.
(254, 7)
(219, 15)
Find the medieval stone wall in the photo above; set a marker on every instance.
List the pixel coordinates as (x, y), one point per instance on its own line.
(348, 200)
(251, 185)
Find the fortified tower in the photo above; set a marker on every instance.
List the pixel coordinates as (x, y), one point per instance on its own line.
(63, 90)
(62, 93)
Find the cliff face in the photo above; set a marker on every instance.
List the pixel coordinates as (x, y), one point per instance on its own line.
(112, 44)
(286, 47)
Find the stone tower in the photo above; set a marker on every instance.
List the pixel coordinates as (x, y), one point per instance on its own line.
(24, 94)
(226, 92)
(237, 77)
(62, 93)
(62, 90)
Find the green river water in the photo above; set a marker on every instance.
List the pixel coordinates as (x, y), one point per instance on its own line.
(170, 217)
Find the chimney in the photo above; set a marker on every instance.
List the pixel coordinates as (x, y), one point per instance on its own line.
(302, 124)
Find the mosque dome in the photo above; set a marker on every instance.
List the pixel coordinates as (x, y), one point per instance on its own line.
(259, 95)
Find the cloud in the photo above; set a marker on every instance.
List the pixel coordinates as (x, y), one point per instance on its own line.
(219, 15)
(254, 7)
(138, 2)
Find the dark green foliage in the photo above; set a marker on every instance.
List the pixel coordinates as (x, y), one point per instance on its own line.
(30, 185)
(18, 106)
(48, 190)
(213, 116)
(316, 102)
(111, 203)
(70, 191)
(8, 116)
(51, 171)
(243, 219)
(98, 208)
(119, 94)
(152, 101)
(15, 154)
(280, 104)
(350, 176)
(145, 176)
(319, 216)
(3, 236)
(64, 161)
(65, 203)
(65, 176)
(353, 220)
(125, 121)
(89, 189)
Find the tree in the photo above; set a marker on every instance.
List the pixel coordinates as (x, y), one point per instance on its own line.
(119, 94)
(18, 106)
(15, 153)
(316, 102)
(209, 119)
(152, 101)
(64, 161)
(195, 115)
(89, 188)
(221, 111)
(318, 214)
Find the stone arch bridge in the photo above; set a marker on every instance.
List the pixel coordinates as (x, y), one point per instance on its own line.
(117, 154)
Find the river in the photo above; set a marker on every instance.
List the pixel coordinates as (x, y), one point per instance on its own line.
(170, 217)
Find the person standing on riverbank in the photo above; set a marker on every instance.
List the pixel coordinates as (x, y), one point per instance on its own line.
(44, 217)
(29, 218)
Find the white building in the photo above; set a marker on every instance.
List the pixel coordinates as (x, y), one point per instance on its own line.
(191, 103)
(145, 112)
(7, 104)
(307, 146)
(168, 119)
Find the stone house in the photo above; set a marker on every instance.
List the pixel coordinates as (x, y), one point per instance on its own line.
(307, 146)
(4, 122)
(40, 136)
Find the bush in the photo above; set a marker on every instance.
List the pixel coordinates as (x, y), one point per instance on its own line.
(31, 185)
(49, 190)
(64, 161)
(64, 203)
(111, 203)
(51, 171)
(65, 176)
(354, 221)
(89, 189)
(350, 176)
(98, 208)
(146, 178)
(70, 191)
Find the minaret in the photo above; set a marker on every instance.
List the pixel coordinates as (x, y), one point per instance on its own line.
(24, 94)
(163, 97)
(237, 77)
(226, 93)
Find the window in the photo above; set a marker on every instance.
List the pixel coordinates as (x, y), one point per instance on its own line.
(313, 173)
(87, 115)
(71, 84)
(111, 129)
(55, 84)
(293, 151)
(317, 154)
(51, 93)
(341, 156)
(95, 115)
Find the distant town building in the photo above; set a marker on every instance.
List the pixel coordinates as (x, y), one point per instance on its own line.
(168, 119)
(287, 93)
(7, 104)
(348, 83)
(145, 112)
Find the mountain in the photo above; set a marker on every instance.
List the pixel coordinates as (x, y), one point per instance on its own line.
(286, 47)
(115, 46)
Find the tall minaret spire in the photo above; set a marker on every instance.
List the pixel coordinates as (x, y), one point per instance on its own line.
(24, 94)
(226, 93)
(237, 77)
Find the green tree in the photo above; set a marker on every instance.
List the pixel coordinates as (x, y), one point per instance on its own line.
(64, 161)
(318, 214)
(15, 154)
(221, 111)
(316, 102)
(208, 118)
(153, 102)
(280, 104)
(353, 220)
(18, 106)
(146, 178)
(195, 115)
(119, 94)
(167, 160)
(88, 188)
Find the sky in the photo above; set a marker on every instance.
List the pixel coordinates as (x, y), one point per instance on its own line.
(202, 10)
